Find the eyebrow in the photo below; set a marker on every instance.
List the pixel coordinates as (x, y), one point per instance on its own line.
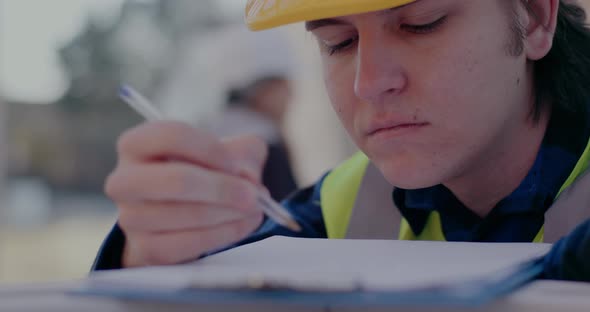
(311, 25)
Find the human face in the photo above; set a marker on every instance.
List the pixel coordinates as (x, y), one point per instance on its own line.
(428, 90)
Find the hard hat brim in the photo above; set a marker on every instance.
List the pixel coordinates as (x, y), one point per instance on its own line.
(265, 14)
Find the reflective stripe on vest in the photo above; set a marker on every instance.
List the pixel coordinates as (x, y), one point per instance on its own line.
(357, 204)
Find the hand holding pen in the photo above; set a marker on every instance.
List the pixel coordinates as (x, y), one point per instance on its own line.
(182, 192)
(273, 209)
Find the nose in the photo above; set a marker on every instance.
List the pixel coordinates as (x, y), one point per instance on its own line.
(379, 72)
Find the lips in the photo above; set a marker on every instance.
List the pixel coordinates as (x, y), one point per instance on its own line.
(380, 127)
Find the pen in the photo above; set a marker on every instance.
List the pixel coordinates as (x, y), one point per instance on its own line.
(270, 207)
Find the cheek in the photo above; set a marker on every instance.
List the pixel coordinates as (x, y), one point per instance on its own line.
(472, 96)
(467, 88)
(339, 81)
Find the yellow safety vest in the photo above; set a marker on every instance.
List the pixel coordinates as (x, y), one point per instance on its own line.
(356, 193)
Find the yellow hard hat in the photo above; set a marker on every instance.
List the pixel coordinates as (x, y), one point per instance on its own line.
(264, 14)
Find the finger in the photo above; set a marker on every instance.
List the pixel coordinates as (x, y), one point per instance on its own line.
(165, 140)
(157, 217)
(249, 153)
(178, 247)
(180, 182)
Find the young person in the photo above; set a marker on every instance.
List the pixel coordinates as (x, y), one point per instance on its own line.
(471, 117)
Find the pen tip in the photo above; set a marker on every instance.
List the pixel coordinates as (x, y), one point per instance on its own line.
(292, 225)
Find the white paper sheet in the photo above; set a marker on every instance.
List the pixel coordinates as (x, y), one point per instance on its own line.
(335, 265)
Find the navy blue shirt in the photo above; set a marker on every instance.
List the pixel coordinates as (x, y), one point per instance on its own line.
(517, 218)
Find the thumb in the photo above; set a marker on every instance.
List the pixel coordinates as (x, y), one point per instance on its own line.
(249, 154)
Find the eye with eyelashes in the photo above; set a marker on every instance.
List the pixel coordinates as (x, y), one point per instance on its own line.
(420, 29)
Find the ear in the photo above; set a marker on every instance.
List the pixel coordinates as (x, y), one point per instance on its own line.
(540, 27)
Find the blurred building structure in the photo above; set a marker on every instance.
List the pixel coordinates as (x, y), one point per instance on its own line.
(70, 143)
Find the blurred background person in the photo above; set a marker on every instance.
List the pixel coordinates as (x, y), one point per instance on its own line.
(257, 97)
(259, 109)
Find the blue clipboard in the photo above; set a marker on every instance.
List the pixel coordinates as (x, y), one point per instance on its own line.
(467, 294)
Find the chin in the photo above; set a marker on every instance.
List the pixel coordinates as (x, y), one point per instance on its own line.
(408, 176)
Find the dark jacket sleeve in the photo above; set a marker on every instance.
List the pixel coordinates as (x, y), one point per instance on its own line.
(277, 174)
(111, 251)
(569, 258)
(304, 206)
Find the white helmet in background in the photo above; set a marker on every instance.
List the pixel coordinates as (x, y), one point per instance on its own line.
(241, 56)
(218, 61)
